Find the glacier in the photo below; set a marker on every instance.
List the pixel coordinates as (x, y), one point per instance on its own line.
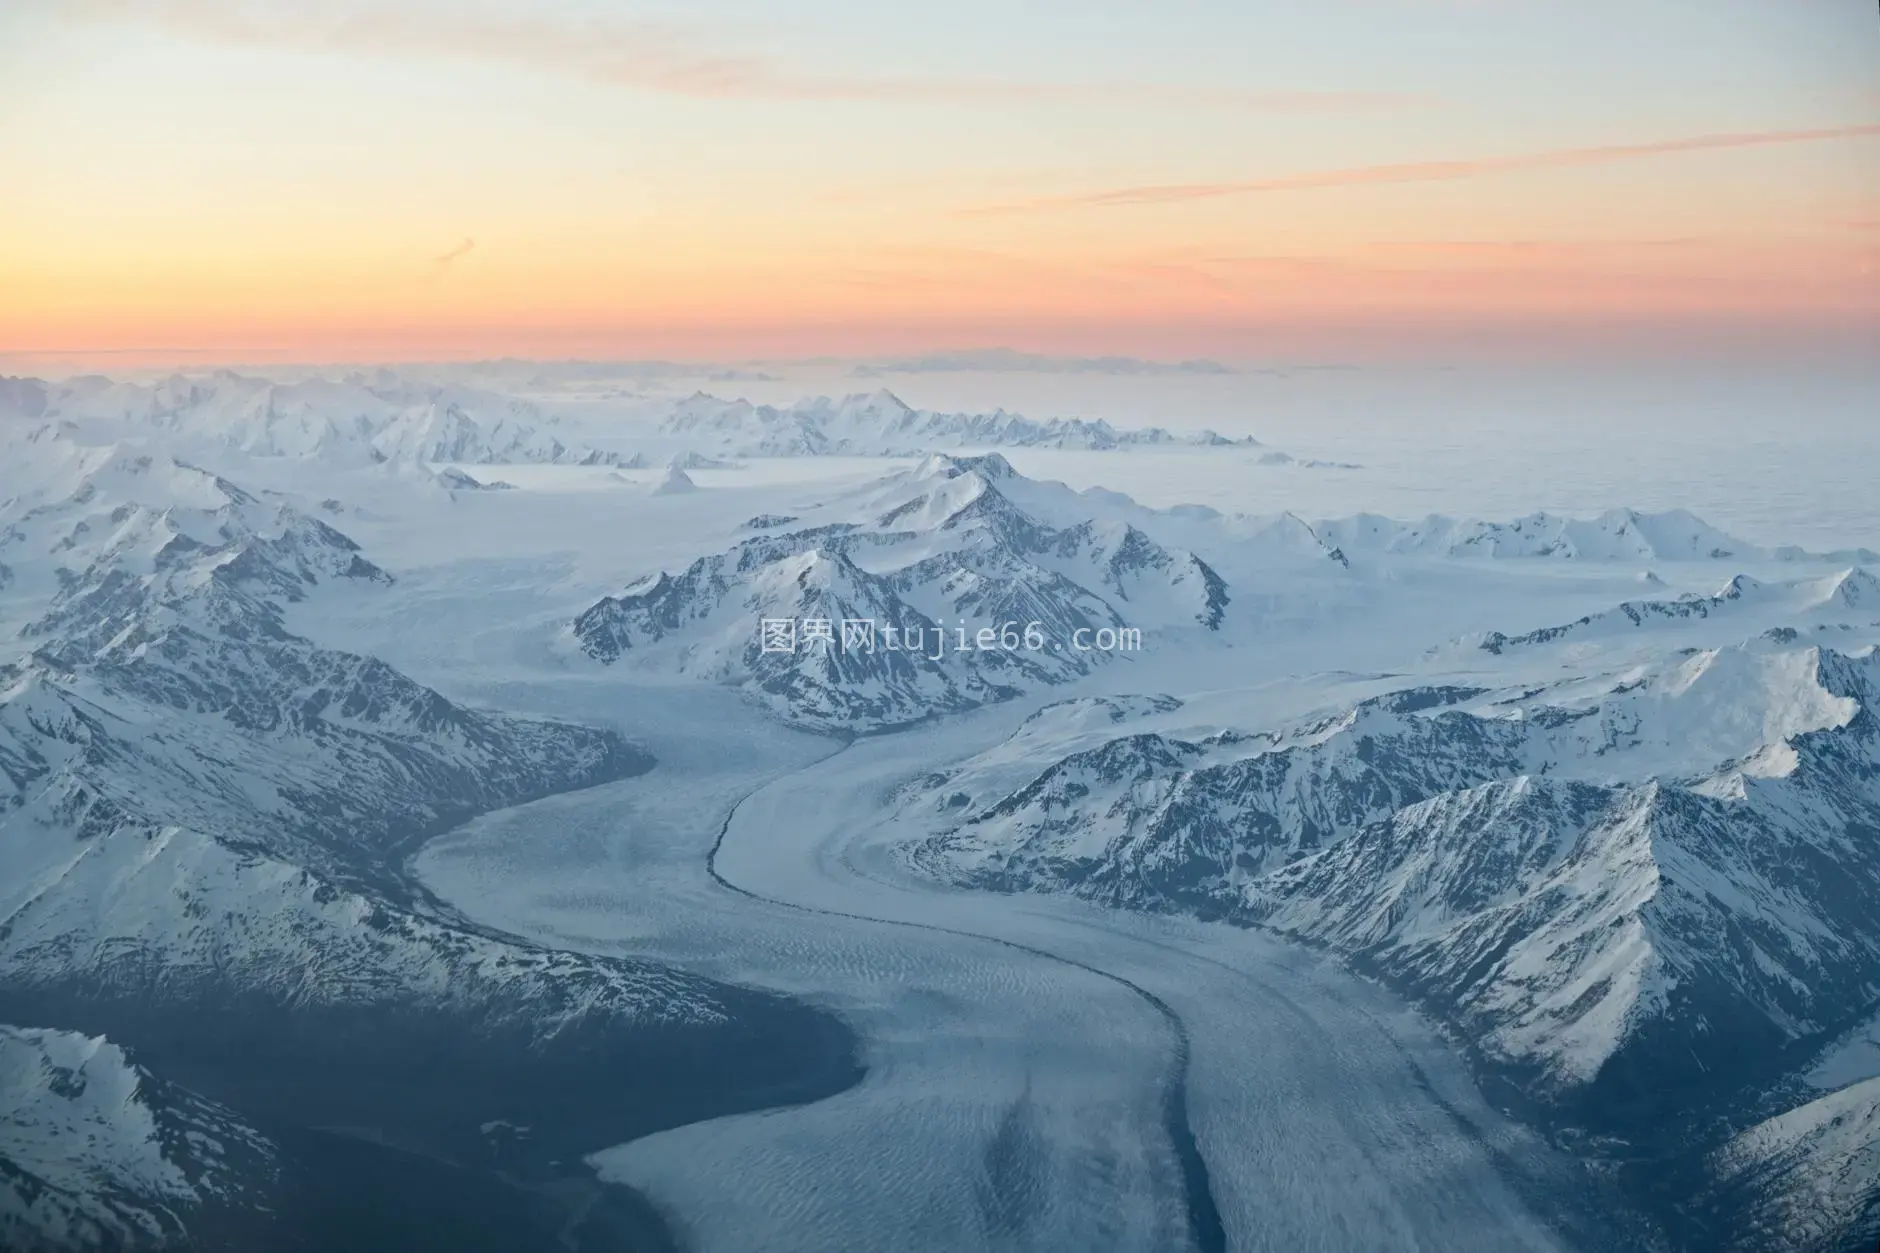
(1473, 881)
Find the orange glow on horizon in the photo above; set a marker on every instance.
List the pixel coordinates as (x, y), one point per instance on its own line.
(493, 304)
(217, 178)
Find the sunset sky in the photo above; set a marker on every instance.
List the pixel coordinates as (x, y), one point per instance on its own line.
(728, 178)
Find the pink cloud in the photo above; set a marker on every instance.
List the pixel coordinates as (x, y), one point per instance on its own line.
(1431, 171)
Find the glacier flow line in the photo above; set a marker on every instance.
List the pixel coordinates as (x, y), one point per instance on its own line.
(1206, 1231)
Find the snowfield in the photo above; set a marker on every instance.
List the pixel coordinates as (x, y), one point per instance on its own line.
(1439, 880)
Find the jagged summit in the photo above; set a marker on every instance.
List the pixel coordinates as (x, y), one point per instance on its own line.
(1856, 588)
(675, 482)
(954, 543)
(879, 405)
(990, 465)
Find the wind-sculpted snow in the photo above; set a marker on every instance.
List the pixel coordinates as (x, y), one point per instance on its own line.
(881, 424)
(97, 1153)
(925, 561)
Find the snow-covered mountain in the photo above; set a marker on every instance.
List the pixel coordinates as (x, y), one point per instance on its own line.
(451, 479)
(1638, 897)
(966, 598)
(97, 1153)
(228, 798)
(365, 417)
(96, 536)
(1622, 848)
(698, 461)
(1583, 932)
(357, 419)
(156, 593)
(1846, 597)
(203, 822)
(1571, 873)
(881, 424)
(1616, 535)
(674, 482)
(1805, 1179)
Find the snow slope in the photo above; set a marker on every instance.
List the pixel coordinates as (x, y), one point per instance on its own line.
(95, 1152)
(1807, 1176)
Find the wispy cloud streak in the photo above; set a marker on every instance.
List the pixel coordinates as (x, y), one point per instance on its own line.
(671, 58)
(443, 261)
(1428, 171)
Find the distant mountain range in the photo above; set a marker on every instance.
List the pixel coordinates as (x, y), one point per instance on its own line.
(1617, 535)
(881, 424)
(360, 418)
(1008, 360)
